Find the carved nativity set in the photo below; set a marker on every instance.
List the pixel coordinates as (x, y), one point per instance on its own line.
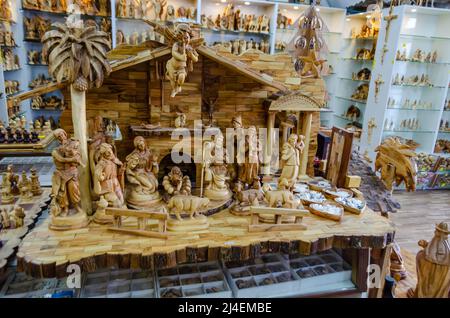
(216, 155)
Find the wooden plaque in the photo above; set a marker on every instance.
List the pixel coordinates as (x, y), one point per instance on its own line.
(339, 156)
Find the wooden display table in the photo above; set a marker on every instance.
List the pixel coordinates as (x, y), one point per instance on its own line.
(47, 253)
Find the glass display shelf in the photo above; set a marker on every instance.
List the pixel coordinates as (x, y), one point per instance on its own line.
(423, 63)
(424, 37)
(353, 100)
(38, 64)
(15, 70)
(416, 86)
(354, 80)
(360, 39)
(356, 60)
(410, 131)
(413, 109)
(347, 119)
(64, 14)
(10, 46)
(444, 131)
(235, 32)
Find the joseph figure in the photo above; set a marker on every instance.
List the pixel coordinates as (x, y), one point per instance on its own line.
(290, 155)
(65, 184)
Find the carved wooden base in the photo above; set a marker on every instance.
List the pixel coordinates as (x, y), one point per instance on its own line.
(101, 218)
(7, 199)
(147, 202)
(239, 210)
(270, 218)
(218, 195)
(71, 222)
(198, 223)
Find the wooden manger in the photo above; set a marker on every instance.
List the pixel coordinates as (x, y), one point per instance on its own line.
(278, 214)
(142, 217)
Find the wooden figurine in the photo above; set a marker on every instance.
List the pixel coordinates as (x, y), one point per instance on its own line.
(35, 184)
(82, 68)
(190, 205)
(246, 198)
(175, 183)
(214, 170)
(17, 216)
(66, 196)
(5, 221)
(433, 266)
(290, 154)
(106, 178)
(13, 179)
(249, 167)
(396, 162)
(7, 196)
(180, 121)
(183, 53)
(25, 187)
(141, 171)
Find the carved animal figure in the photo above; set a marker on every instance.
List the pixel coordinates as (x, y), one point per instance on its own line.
(396, 160)
(186, 203)
(247, 197)
(281, 197)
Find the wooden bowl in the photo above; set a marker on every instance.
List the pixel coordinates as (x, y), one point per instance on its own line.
(352, 209)
(314, 185)
(329, 193)
(307, 202)
(326, 215)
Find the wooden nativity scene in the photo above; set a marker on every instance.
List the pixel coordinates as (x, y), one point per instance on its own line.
(215, 157)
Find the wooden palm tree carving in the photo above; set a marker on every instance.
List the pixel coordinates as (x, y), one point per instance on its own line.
(77, 55)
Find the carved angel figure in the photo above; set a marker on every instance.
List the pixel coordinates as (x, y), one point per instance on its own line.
(183, 53)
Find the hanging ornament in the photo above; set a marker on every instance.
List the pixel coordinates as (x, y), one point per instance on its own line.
(300, 42)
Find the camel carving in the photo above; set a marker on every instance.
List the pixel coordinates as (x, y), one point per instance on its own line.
(396, 160)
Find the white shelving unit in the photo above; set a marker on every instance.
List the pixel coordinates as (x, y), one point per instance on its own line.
(414, 28)
(347, 65)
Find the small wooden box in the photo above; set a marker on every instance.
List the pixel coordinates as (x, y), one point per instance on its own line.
(352, 181)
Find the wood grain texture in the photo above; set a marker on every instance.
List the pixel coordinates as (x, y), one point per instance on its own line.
(226, 237)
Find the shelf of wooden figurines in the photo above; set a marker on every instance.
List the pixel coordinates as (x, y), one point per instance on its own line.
(22, 200)
(87, 8)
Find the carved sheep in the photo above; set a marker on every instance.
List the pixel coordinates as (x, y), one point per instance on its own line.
(188, 204)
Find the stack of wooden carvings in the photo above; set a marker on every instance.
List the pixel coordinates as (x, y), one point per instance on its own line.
(233, 20)
(51, 102)
(89, 7)
(20, 135)
(12, 87)
(22, 201)
(6, 37)
(9, 59)
(157, 10)
(35, 28)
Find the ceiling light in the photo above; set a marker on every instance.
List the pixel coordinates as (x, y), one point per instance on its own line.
(368, 16)
(348, 19)
(295, 8)
(247, 3)
(414, 10)
(361, 13)
(317, 9)
(223, 1)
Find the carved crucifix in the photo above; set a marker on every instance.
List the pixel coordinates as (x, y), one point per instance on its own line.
(379, 81)
(370, 126)
(388, 20)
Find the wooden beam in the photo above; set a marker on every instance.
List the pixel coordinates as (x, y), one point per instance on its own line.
(276, 227)
(241, 68)
(279, 211)
(139, 232)
(136, 213)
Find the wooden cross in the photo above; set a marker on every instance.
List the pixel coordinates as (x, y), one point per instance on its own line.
(371, 124)
(379, 81)
(388, 20)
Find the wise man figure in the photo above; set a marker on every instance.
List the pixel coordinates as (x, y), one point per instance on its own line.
(433, 266)
(290, 155)
(248, 171)
(106, 181)
(65, 183)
